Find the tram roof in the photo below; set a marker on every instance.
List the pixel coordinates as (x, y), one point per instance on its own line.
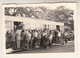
(32, 20)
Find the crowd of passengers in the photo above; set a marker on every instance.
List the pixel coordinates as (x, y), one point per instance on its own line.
(26, 39)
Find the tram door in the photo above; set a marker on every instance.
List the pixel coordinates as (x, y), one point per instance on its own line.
(58, 27)
(16, 25)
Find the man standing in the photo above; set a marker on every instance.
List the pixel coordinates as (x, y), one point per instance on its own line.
(59, 36)
(50, 39)
(35, 37)
(62, 37)
(39, 37)
(43, 39)
(18, 37)
(56, 36)
(27, 38)
(31, 41)
(13, 40)
(23, 39)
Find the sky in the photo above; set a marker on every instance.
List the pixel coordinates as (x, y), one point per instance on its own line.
(49, 5)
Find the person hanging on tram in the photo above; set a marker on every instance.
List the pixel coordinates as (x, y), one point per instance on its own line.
(18, 37)
(13, 43)
(23, 34)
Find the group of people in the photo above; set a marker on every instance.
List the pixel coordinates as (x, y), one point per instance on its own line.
(26, 39)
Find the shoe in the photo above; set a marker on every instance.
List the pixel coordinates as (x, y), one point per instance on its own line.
(47, 47)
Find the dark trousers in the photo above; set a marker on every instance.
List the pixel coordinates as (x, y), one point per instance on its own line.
(27, 44)
(53, 40)
(46, 43)
(38, 42)
(42, 41)
(22, 46)
(35, 41)
(31, 44)
(13, 44)
(18, 44)
(50, 43)
(57, 39)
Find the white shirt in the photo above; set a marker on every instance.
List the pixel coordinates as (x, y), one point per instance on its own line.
(50, 37)
(59, 34)
(35, 34)
(28, 36)
(44, 33)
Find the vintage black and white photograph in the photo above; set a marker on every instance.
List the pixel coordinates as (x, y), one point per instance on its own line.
(39, 28)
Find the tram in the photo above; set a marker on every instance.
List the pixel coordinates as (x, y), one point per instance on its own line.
(31, 23)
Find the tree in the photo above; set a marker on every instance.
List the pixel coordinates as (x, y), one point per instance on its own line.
(40, 12)
(62, 14)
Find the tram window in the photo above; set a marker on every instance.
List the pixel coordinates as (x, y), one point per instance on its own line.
(58, 27)
(48, 25)
(16, 25)
(45, 25)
